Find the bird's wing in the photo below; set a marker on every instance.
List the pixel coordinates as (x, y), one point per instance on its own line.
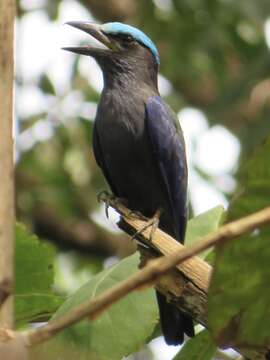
(100, 161)
(169, 149)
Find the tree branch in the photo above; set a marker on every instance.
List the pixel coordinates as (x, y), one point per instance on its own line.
(186, 286)
(84, 236)
(114, 10)
(6, 162)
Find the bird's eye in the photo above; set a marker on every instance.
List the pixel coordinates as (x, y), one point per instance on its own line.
(125, 40)
(128, 41)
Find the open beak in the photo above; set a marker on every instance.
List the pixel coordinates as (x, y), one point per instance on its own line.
(94, 30)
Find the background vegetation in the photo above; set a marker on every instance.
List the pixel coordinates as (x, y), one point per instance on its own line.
(215, 73)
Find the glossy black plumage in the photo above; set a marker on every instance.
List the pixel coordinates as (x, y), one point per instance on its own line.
(139, 146)
(169, 149)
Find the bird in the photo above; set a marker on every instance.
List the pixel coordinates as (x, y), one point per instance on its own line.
(138, 142)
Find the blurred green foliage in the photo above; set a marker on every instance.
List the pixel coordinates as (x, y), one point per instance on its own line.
(127, 324)
(240, 280)
(34, 296)
(200, 347)
(214, 54)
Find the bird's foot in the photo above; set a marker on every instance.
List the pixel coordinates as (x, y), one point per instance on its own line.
(153, 223)
(110, 200)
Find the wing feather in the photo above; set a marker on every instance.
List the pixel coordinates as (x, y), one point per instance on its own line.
(100, 160)
(169, 149)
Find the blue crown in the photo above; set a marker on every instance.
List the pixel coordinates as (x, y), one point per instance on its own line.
(119, 28)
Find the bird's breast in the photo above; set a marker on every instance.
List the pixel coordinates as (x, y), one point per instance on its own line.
(121, 123)
(127, 153)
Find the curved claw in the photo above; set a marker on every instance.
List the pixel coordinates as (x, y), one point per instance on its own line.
(105, 197)
(111, 200)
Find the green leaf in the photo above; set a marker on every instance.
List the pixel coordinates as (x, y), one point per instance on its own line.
(122, 329)
(46, 85)
(201, 347)
(240, 282)
(204, 224)
(34, 259)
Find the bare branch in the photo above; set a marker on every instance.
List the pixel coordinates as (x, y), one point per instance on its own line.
(86, 237)
(12, 345)
(70, 233)
(7, 9)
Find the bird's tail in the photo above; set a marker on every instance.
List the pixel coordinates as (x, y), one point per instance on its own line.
(174, 323)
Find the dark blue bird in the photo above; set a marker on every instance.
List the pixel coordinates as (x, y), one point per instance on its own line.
(138, 142)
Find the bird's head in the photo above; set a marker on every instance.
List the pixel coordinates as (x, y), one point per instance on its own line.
(125, 49)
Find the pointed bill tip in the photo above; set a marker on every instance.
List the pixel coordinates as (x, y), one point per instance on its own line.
(74, 23)
(86, 26)
(67, 48)
(81, 50)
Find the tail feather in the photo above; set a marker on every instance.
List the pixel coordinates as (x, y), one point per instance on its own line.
(174, 323)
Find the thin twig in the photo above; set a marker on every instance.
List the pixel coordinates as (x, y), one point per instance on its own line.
(6, 162)
(147, 276)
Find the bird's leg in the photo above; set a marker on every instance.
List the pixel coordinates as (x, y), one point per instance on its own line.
(153, 222)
